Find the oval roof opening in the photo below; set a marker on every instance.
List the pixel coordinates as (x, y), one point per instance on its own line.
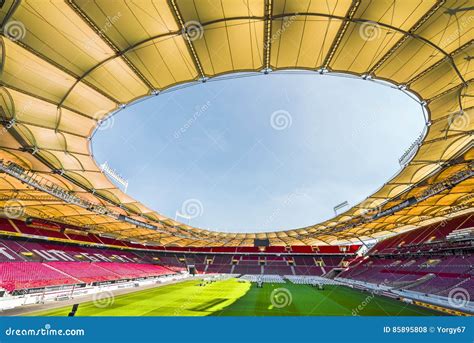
(261, 153)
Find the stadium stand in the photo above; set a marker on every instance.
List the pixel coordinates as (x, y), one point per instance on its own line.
(48, 167)
(33, 264)
(436, 236)
(23, 275)
(90, 262)
(427, 260)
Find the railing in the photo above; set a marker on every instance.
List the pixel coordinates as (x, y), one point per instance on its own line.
(411, 151)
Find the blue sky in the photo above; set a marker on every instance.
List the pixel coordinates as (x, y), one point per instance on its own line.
(261, 153)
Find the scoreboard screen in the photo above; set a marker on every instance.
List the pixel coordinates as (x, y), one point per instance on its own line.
(261, 242)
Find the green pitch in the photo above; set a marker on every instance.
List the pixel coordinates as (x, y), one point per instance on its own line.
(240, 298)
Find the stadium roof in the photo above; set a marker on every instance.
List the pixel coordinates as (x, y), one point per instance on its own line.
(66, 65)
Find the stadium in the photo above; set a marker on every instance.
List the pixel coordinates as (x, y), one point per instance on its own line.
(74, 243)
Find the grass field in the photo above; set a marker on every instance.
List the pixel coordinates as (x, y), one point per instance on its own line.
(240, 298)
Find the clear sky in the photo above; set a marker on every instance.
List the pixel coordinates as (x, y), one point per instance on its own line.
(261, 153)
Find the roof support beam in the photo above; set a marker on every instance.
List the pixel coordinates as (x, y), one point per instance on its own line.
(427, 70)
(415, 27)
(10, 12)
(387, 26)
(100, 33)
(342, 30)
(267, 31)
(187, 38)
(67, 71)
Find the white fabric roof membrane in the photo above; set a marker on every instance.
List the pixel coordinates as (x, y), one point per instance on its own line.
(66, 65)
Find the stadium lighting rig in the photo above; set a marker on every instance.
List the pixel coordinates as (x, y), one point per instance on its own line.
(339, 206)
(106, 169)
